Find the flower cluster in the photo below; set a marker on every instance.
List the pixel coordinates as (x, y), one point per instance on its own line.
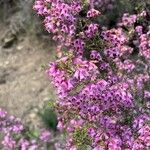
(14, 135)
(102, 79)
(59, 17)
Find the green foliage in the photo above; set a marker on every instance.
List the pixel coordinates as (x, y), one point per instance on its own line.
(49, 118)
(81, 138)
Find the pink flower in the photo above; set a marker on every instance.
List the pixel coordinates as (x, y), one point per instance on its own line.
(45, 136)
(93, 13)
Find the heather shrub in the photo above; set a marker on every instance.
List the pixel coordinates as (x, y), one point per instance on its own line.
(14, 135)
(101, 75)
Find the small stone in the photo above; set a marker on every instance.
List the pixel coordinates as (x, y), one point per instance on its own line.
(33, 89)
(34, 78)
(1, 64)
(7, 62)
(35, 110)
(33, 115)
(8, 41)
(20, 47)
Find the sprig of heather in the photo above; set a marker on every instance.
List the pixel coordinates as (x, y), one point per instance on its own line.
(102, 80)
(15, 135)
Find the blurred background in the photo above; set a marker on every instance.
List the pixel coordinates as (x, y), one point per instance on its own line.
(25, 50)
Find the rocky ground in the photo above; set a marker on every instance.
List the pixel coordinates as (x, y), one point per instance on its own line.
(24, 86)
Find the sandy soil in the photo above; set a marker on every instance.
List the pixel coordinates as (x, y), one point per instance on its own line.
(23, 82)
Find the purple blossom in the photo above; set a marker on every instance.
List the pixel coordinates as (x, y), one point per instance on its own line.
(102, 89)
